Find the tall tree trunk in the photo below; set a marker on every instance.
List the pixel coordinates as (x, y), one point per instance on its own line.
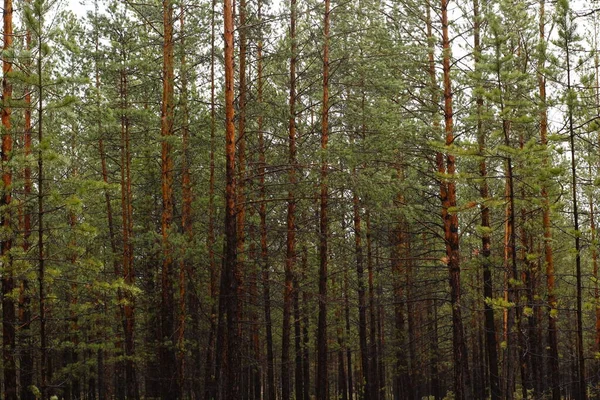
(167, 357)
(107, 200)
(489, 324)
(305, 329)
(348, 335)
(582, 388)
(448, 197)
(227, 336)
(8, 283)
(376, 377)
(402, 386)
(270, 391)
(127, 310)
(298, 376)
(290, 257)
(185, 265)
(44, 361)
(594, 233)
(362, 306)
(27, 360)
(554, 382)
(240, 201)
(322, 370)
(209, 372)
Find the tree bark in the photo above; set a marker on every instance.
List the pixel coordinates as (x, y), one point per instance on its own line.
(210, 391)
(451, 237)
(488, 294)
(44, 361)
(185, 266)
(322, 370)
(362, 306)
(290, 258)
(167, 357)
(27, 358)
(546, 219)
(227, 336)
(270, 390)
(8, 283)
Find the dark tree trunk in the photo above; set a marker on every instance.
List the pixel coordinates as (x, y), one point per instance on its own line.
(489, 324)
(451, 237)
(27, 357)
(210, 391)
(290, 258)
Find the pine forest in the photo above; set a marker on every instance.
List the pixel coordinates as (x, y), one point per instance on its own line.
(300, 199)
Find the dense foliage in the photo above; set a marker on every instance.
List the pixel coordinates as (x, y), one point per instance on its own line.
(255, 199)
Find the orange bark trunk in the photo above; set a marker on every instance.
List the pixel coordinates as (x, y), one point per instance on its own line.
(448, 196)
(322, 370)
(8, 284)
(169, 387)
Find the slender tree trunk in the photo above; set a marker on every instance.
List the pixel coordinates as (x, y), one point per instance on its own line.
(362, 307)
(448, 197)
(27, 360)
(322, 370)
(376, 378)
(270, 392)
(167, 358)
(348, 333)
(44, 361)
(8, 283)
(109, 212)
(554, 382)
(209, 372)
(227, 337)
(489, 324)
(185, 266)
(127, 310)
(305, 329)
(298, 377)
(290, 258)
(403, 386)
(582, 388)
(593, 229)
(240, 190)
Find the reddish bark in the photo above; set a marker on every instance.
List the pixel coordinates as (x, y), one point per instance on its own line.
(547, 225)
(451, 237)
(322, 370)
(8, 284)
(227, 334)
(169, 388)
